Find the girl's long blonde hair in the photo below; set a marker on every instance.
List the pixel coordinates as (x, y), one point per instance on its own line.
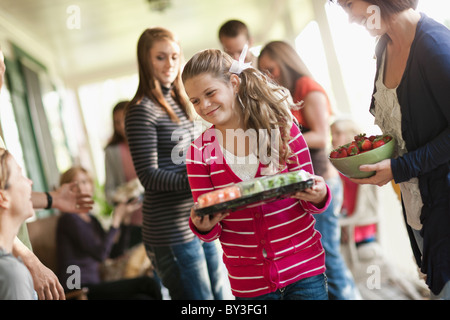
(265, 105)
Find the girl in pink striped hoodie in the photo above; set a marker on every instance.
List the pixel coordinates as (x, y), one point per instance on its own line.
(271, 251)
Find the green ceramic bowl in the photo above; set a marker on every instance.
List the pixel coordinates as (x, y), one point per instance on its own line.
(349, 166)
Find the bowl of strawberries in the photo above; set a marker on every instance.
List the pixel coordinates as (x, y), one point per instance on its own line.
(362, 150)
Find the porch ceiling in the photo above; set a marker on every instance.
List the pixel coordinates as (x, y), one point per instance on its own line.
(105, 42)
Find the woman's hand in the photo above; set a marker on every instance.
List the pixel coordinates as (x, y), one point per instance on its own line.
(68, 198)
(382, 176)
(45, 282)
(317, 194)
(124, 210)
(206, 223)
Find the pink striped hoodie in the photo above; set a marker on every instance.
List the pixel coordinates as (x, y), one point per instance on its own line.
(268, 246)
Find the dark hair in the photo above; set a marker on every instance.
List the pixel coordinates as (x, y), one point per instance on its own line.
(148, 85)
(388, 7)
(116, 136)
(233, 28)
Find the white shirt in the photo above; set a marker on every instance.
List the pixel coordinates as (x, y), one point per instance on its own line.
(388, 117)
(244, 167)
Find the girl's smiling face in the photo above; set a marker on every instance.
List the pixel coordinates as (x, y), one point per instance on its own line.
(214, 100)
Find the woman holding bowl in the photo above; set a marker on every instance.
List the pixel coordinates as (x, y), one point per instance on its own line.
(411, 102)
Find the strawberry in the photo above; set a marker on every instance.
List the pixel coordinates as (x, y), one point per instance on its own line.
(365, 145)
(342, 152)
(378, 143)
(334, 154)
(359, 137)
(372, 138)
(387, 138)
(352, 149)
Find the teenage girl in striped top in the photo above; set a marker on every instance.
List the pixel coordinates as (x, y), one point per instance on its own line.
(159, 111)
(271, 251)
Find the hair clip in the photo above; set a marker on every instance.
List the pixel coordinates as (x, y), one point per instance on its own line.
(238, 66)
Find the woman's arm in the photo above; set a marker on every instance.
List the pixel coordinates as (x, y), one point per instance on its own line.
(140, 126)
(65, 199)
(45, 282)
(434, 66)
(422, 160)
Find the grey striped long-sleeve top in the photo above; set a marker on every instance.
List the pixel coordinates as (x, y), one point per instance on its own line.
(158, 148)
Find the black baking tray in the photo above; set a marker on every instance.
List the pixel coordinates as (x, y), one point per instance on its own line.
(263, 197)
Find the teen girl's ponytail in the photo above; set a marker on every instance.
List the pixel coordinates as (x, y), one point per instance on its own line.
(265, 108)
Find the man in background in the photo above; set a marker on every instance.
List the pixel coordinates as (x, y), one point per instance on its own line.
(233, 35)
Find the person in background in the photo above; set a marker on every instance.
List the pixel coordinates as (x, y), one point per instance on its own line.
(15, 207)
(82, 242)
(159, 112)
(358, 199)
(410, 102)
(233, 36)
(271, 251)
(119, 170)
(63, 198)
(281, 62)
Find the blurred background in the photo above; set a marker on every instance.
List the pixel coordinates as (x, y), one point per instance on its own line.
(68, 62)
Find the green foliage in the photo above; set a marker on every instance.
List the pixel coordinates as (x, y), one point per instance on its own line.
(102, 207)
